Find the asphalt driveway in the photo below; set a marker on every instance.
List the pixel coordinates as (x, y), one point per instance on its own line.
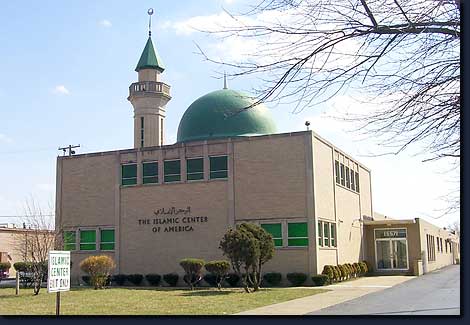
(436, 293)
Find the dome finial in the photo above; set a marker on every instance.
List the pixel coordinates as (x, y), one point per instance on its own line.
(150, 13)
(225, 80)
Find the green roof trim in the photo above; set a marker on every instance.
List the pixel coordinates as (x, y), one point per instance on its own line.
(150, 58)
(221, 114)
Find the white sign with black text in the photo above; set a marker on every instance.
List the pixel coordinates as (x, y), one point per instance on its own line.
(58, 278)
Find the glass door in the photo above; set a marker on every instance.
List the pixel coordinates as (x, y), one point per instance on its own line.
(399, 254)
(391, 249)
(383, 254)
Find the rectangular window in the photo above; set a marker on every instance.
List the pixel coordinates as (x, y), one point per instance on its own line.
(357, 181)
(70, 240)
(326, 234)
(438, 245)
(320, 233)
(150, 172)
(87, 240)
(129, 174)
(353, 183)
(348, 182)
(337, 171)
(342, 174)
(195, 169)
(141, 131)
(333, 234)
(218, 167)
(297, 234)
(442, 249)
(172, 171)
(107, 239)
(275, 229)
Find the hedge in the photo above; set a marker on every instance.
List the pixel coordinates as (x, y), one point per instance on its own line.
(232, 279)
(153, 279)
(135, 279)
(120, 279)
(171, 279)
(296, 278)
(320, 279)
(272, 278)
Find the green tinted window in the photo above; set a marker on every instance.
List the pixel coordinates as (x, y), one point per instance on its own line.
(326, 234)
(275, 229)
(357, 181)
(297, 234)
(333, 234)
(353, 182)
(172, 171)
(218, 167)
(320, 234)
(195, 169)
(337, 171)
(348, 183)
(87, 240)
(129, 174)
(107, 239)
(150, 172)
(342, 174)
(70, 241)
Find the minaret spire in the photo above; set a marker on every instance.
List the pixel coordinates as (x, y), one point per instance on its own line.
(150, 12)
(225, 80)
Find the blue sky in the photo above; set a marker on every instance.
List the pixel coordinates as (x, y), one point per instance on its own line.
(66, 68)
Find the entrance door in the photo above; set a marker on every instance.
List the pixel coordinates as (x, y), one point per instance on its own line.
(391, 249)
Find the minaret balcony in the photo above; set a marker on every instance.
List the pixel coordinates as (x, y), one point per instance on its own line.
(155, 87)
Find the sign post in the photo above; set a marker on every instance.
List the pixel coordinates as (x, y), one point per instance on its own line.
(58, 278)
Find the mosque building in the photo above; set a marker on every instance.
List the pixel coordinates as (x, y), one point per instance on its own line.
(152, 205)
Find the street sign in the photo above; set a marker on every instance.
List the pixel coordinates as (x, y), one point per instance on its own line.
(58, 278)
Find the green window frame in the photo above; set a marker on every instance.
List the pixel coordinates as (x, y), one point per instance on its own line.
(128, 174)
(348, 174)
(275, 229)
(194, 169)
(297, 234)
(218, 167)
(150, 172)
(70, 240)
(320, 233)
(357, 181)
(107, 240)
(333, 234)
(172, 171)
(342, 174)
(326, 234)
(337, 171)
(353, 183)
(87, 240)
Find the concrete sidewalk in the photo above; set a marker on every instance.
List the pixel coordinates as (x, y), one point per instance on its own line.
(339, 293)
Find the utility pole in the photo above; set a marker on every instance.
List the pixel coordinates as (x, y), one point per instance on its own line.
(69, 148)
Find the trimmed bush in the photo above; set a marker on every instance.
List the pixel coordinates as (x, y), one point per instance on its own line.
(23, 266)
(457, 261)
(135, 279)
(367, 267)
(364, 268)
(219, 269)
(329, 271)
(344, 271)
(99, 269)
(153, 279)
(337, 273)
(320, 280)
(119, 279)
(357, 269)
(232, 279)
(171, 279)
(296, 278)
(86, 279)
(5, 266)
(211, 279)
(193, 269)
(272, 278)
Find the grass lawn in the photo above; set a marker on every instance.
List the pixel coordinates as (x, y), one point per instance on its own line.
(145, 301)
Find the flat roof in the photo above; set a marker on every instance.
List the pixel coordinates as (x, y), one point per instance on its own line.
(389, 222)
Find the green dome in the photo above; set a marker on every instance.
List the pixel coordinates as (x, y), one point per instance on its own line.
(219, 114)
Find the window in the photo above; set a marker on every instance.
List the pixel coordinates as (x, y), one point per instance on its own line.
(357, 181)
(438, 250)
(337, 171)
(431, 248)
(326, 234)
(297, 234)
(195, 169)
(129, 174)
(107, 239)
(141, 131)
(348, 182)
(333, 234)
(353, 183)
(172, 171)
(446, 246)
(87, 240)
(442, 250)
(275, 229)
(342, 174)
(320, 234)
(218, 167)
(70, 240)
(150, 170)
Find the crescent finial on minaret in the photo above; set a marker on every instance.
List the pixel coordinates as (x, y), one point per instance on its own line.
(150, 13)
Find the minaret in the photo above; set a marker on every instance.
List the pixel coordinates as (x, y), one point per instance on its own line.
(149, 97)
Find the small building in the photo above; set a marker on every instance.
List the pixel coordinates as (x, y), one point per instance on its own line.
(150, 206)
